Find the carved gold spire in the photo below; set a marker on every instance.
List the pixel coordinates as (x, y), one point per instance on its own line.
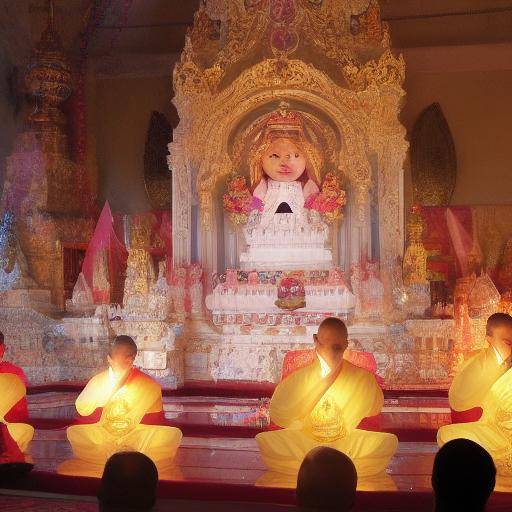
(48, 76)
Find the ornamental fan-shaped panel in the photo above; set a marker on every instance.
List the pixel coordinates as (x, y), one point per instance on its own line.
(433, 159)
(157, 177)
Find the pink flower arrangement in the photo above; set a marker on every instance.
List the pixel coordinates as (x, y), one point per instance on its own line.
(291, 294)
(330, 200)
(256, 204)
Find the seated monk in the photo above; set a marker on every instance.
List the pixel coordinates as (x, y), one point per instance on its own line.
(19, 412)
(15, 436)
(322, 404)
(126, 396)
(485, 381)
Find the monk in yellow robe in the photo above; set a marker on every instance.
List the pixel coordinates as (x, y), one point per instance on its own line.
(126, 397)
(12, 391)
(485, 381)
(322, 404)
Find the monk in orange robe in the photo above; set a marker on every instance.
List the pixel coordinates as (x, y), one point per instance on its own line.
(126, 397)
(19, 411)
(15, 436)
(322, 404)
(485, 381)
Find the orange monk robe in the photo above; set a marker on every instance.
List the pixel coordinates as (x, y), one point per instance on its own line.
(19, 412)
(119, 427)
(484, 382)
(333, 422)
(12, 390)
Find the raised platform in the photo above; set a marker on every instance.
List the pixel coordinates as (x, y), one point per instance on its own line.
(219, 459)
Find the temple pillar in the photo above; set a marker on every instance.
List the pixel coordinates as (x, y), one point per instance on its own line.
(181, 204)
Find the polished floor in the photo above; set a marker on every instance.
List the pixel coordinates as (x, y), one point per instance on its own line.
(222, 449)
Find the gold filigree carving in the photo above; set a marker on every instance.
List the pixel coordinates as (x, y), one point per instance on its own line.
(221, 95)
(388, 70)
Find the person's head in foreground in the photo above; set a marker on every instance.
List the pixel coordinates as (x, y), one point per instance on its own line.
(327, 480)
(499, 333)
(128, 483)
(122, 354)
(331, 341)
(463, 477)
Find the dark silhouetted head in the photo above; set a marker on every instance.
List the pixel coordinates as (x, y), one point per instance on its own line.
(327, 480)
(463, 476)
(128, 483)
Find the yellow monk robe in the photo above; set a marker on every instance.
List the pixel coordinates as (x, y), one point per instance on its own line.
(12, 390)
(119, 427)
(493, 431)
(474, 379)
(333, 422)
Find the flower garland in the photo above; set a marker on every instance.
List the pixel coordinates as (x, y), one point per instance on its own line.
(239, 202)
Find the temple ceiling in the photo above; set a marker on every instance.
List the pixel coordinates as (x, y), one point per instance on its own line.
(159, 26)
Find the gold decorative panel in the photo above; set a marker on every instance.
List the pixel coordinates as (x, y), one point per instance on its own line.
(433, 159)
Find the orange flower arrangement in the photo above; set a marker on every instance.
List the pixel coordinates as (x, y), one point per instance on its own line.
(237, 201)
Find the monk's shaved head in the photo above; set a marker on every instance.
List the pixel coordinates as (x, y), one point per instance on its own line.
(125, 344)
(499, 334)
(331, 341)
(121, 355)
(334, 325)
(498, 320)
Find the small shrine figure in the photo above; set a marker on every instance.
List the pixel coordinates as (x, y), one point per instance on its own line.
(415, 258)
(14, 272)
(372, 291)
(100, 278)
(484, 297)
(195, 287)
(336, 277)
(356, 278)
(463, 337)
(178, 291)
(159, 300)
(140, 277)
(82, 297)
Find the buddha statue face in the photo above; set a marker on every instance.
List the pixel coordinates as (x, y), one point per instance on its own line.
(283, 160)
